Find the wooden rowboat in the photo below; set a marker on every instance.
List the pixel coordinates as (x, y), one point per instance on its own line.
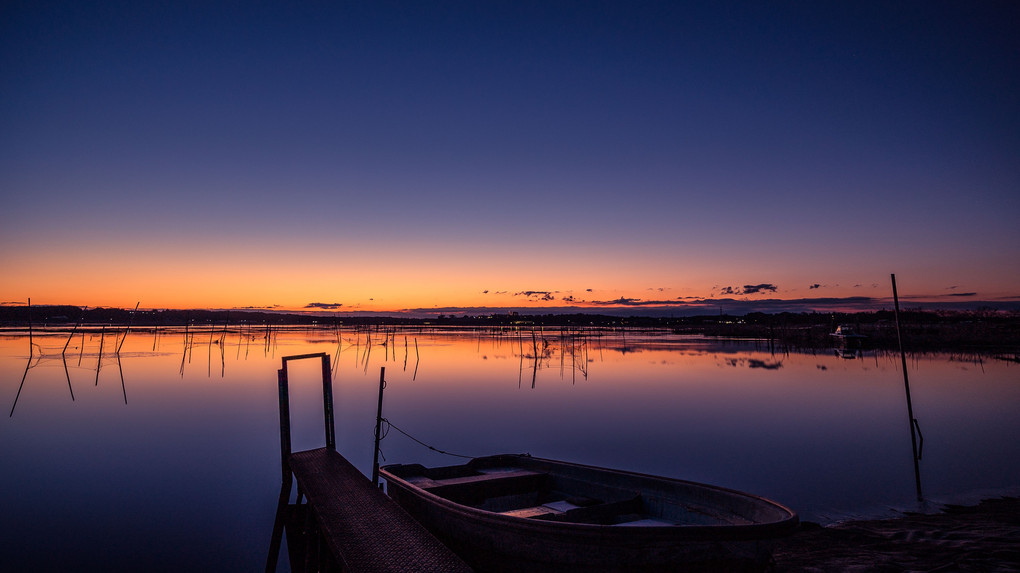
(520, 513)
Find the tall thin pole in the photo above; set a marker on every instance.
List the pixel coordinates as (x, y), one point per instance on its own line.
(911, 421)
(128, 329)
(31, 346)
(378, 427)
(76, 325)
(99, 364)
(327, 402)
(284, 421)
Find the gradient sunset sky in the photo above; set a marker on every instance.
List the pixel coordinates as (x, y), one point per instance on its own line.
(386, 156)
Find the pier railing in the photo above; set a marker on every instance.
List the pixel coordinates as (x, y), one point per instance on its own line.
(327, 405)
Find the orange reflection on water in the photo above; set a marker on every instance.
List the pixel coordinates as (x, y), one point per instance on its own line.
(816, 429)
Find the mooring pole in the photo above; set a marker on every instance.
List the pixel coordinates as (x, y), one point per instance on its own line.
(327, 402)
(378, 427)
(31, 346)
(911, 421)
(284, 420)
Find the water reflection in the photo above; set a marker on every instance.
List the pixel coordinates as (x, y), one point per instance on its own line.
(848, 353)
(22, 385)
(39, 356)
(196, 444)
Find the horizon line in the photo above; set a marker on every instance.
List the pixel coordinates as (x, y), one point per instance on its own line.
(625, 307)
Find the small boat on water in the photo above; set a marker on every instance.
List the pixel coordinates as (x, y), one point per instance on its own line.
(520, 513)
(845, 331)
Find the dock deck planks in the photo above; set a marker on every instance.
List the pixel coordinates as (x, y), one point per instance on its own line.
(366, 530)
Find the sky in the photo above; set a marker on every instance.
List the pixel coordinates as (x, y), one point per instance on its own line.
(468, 156)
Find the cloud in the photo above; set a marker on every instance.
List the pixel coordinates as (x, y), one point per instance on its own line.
(732, 306)
(962, 293)
(539, 294)
(763, 287)
(324, 305)
(587, 290)
(618, 302)
(636, 302)
(814, 286)
(569, 298)
(749, 289)
(486, 291)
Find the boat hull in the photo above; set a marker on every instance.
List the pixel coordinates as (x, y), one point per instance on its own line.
(495, 541)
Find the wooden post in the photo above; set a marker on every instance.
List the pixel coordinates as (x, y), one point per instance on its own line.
(81, 349)
(284, 421)
(378, 427)
(20, 386)
(911, 421)
(73, 330)
(279, 524)
(99, 364)
(417, 359)
(123, 387)
(67, 375)
(31, 346)
(327, 403)
(131, 321)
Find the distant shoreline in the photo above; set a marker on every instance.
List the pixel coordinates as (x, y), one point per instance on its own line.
(983, 332)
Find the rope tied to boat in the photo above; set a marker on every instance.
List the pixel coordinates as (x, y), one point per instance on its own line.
(387, 425)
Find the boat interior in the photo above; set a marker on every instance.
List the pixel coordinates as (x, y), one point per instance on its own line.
(502, 485)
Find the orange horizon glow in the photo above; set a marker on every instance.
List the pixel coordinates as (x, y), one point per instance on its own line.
(384, 279)
(466, 304)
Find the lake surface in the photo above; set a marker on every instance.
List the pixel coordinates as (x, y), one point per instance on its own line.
(164, 456)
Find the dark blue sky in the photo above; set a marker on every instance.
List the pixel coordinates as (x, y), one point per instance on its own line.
(554, 146)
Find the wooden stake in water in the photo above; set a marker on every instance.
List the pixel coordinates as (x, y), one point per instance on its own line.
(72, 330)
(378, 427)
(123, 387)
(67, 375)
(31, 347)
(22, 385)
(99, 363)
(906, 385)
(131, 321)
(417, 359)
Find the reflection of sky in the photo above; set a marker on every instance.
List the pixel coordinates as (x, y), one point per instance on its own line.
(216, 156)
(192, 460)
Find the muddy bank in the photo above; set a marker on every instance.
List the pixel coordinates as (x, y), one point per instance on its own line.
(985, 537)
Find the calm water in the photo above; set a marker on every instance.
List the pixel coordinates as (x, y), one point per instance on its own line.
(161, 460)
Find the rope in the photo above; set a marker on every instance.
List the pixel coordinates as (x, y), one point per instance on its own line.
(434, 449)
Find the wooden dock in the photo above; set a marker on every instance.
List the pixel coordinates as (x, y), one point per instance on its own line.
(346, 523)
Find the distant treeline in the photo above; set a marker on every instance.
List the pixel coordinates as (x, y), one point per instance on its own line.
(922, 330)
